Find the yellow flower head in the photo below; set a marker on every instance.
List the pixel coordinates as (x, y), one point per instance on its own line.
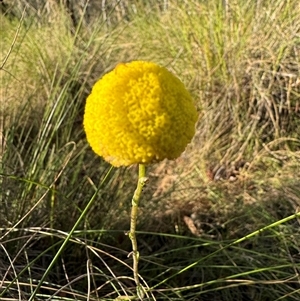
(139, 113)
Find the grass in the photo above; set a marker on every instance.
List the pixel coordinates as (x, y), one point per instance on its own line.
(219, 223)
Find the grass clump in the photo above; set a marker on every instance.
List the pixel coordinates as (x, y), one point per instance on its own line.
(220, 222)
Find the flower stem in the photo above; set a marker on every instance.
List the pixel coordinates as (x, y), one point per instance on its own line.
(132, 234)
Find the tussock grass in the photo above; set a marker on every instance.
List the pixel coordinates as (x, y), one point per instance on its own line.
(218, 223)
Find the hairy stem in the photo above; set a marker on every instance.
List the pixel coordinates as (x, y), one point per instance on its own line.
(132, 234)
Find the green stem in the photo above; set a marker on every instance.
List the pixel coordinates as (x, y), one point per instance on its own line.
(132, 234)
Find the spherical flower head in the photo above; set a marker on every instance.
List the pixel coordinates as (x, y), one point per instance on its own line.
(139, 113)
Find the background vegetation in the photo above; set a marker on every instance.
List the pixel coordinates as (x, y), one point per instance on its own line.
(219, 223)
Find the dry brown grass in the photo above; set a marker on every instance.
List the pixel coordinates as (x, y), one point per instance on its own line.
(240, 173)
